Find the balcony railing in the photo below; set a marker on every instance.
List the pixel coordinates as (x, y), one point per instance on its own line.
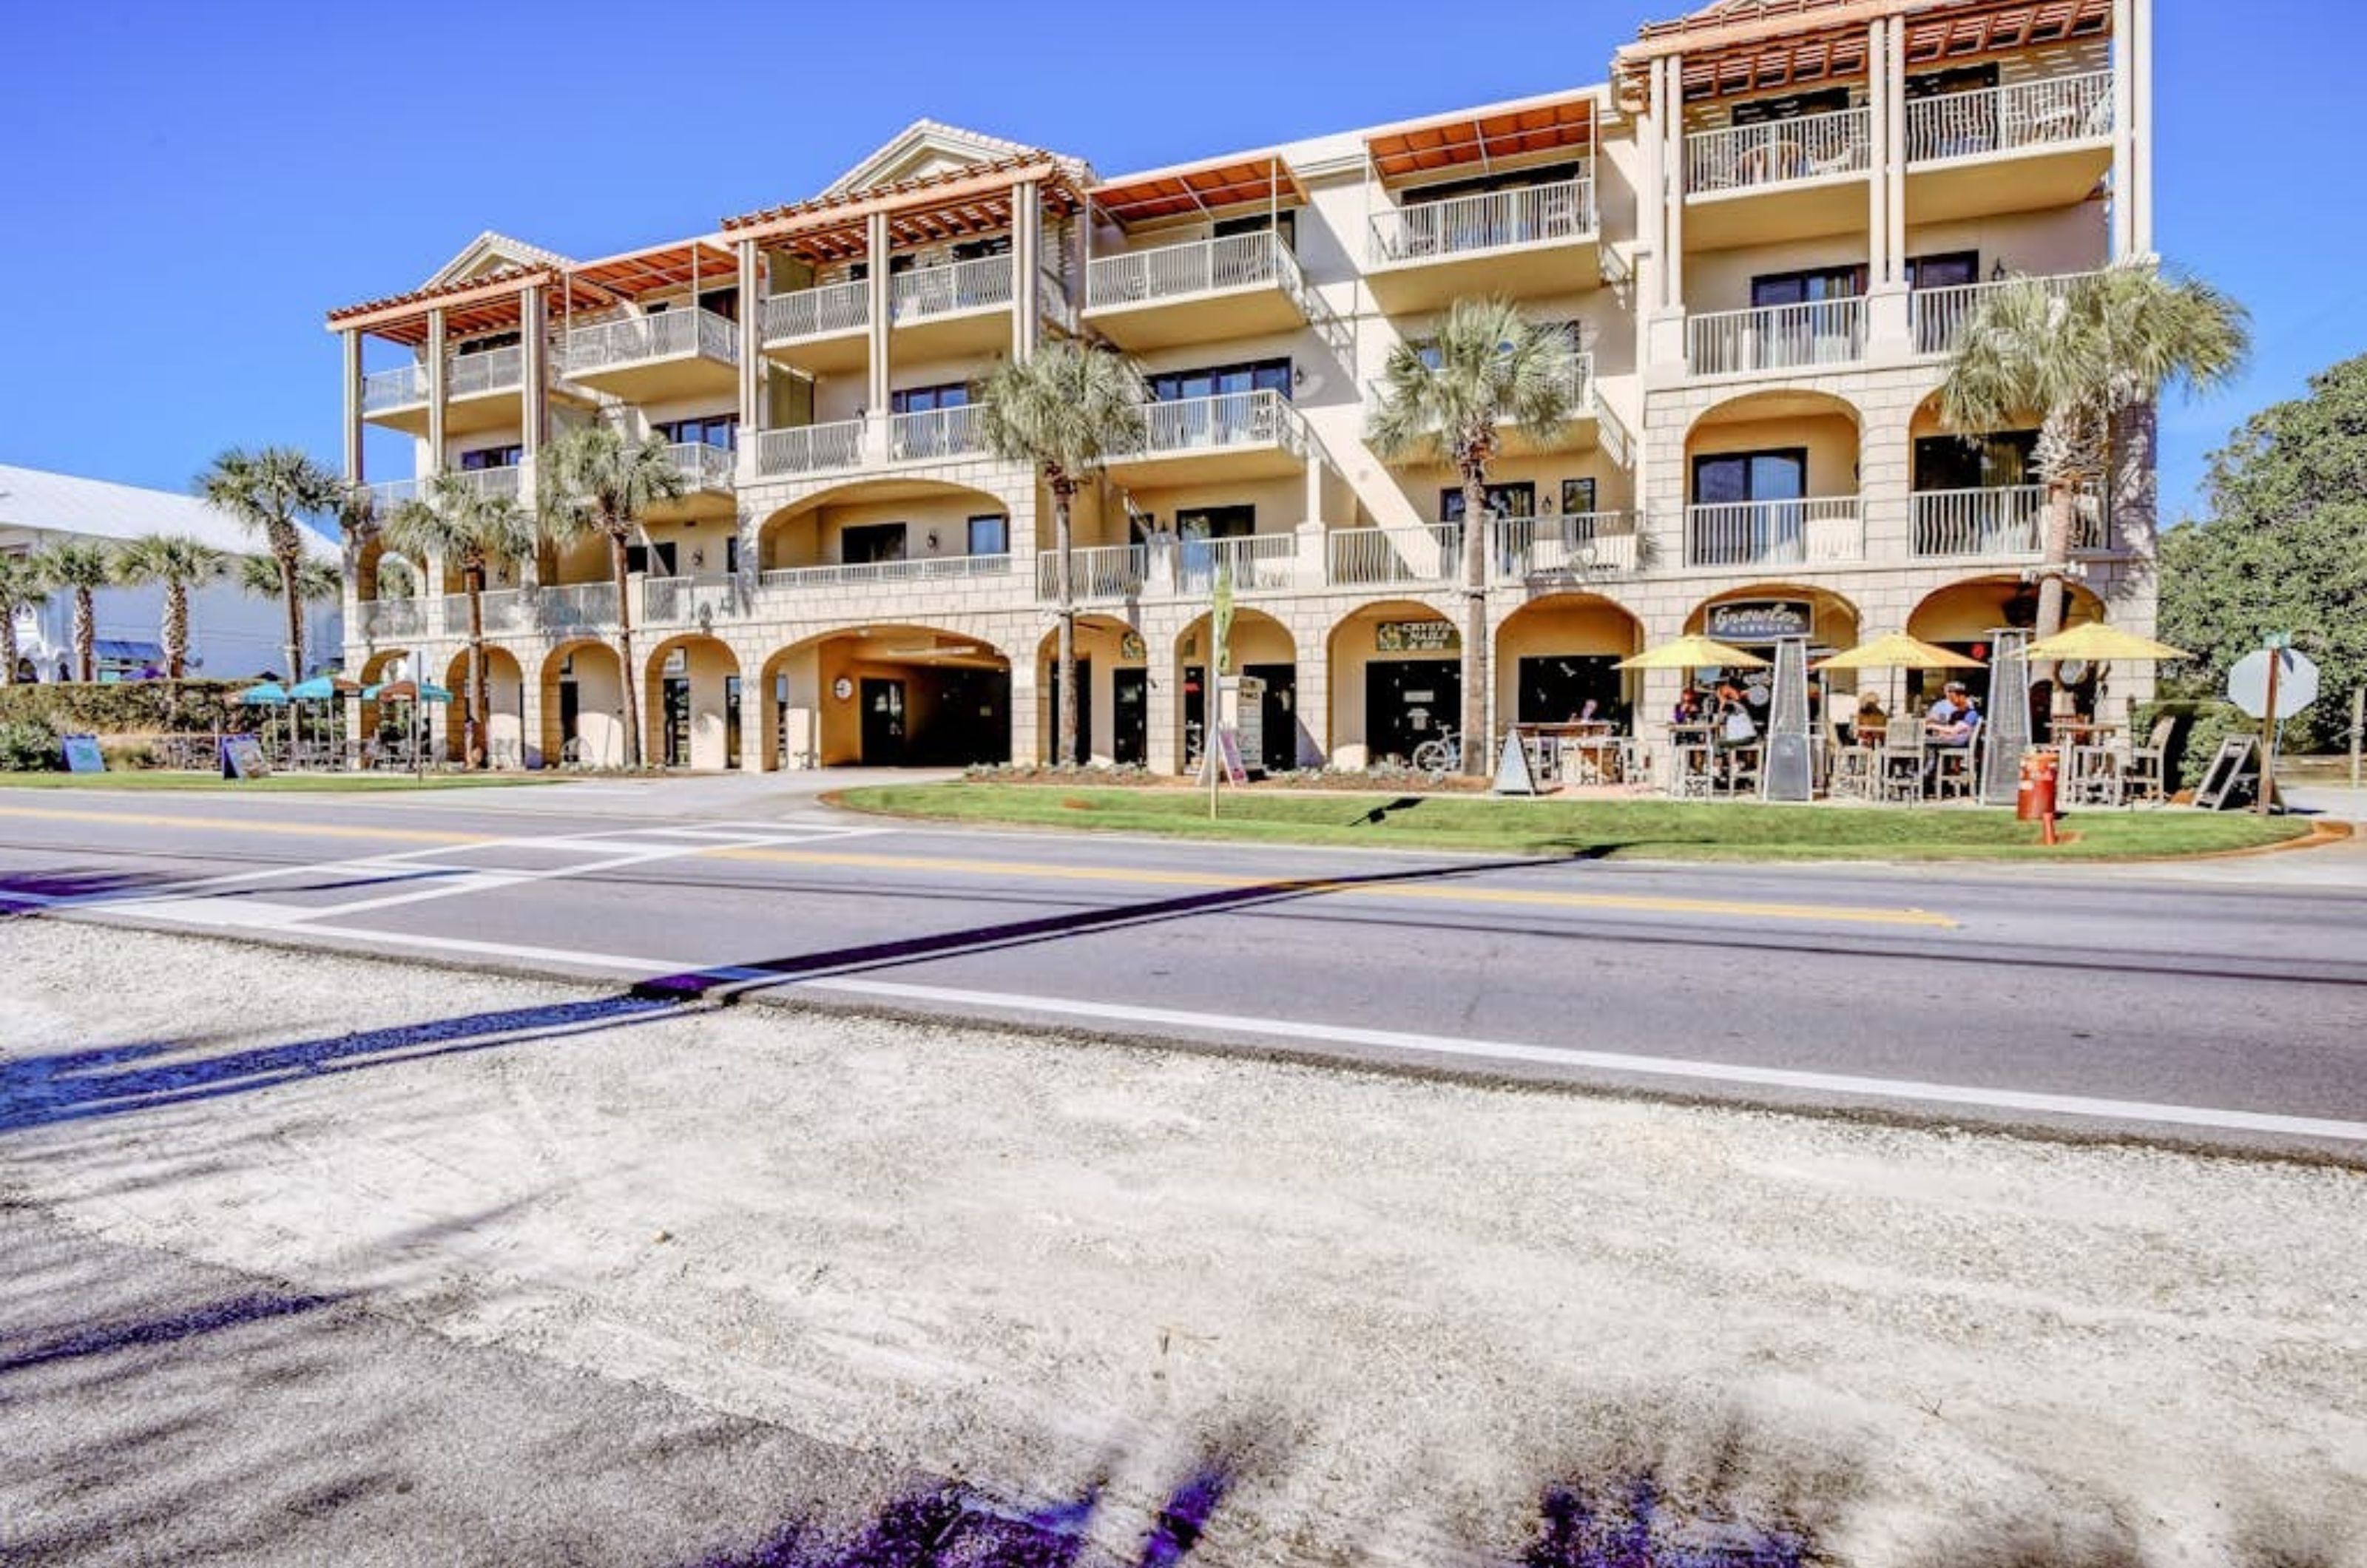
(2005, 520)
(1577, 543)
(666, 335)
(385, 618)
(503, 609)
(1776, 337)
(933, 433)
(1237, 261)
(818, 312)
(1492, 220)
(702, 466)
(495, 370)
(586, 606)
(397, 387)
(1774, 533)
(1743, 157)
(974, 285)
(811, 449)
(1227, 418)
(2041, 113)
(1580, 385)
(680, 601)
(1373, 557)
(1253, 561)
(1937, 316)
(1099, 572)
(918, 568)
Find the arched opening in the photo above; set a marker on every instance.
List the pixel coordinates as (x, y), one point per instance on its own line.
(1257, 648)
(886, 696)
(690, 705)
(1556, 658)
(1113, 693)
(504, 737)
(1758, 617)
(1963, 617)
(384, 727)
(1771, 478)
(584, 706)
(1396, 681)
(1976, 495)
(898, 527)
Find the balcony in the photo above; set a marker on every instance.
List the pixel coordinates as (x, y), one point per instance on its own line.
(1579, 546)
(2004, 523)
(885, 574)
(479, 393)
(507, 481)
(655, 358)
(698, 600)
(1587, 425)
(2018, 147)
(1531, 241)
(1203, 292)
(1232, 435)
(1784, 179)
(934, 435)
(586, 608)
(707, 483)
(392, 620)
(1818, 532)
(1426, 553)
(1824, 332)
(1937, 316)
(1099, 574)
(952, 312)
(810, 449)
(820, 330)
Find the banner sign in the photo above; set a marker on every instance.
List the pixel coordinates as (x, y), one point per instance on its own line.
(1416, 637)
(1761, 620)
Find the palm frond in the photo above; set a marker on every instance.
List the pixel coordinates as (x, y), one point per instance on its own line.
(453, 517)
(597, 480)
(1489, 368)
(272, 492)
(169, 558)
(77, 566)
(22, 586)
(1064, 411)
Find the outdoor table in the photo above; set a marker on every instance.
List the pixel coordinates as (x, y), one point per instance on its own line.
(1592, 758)
(1693, 758)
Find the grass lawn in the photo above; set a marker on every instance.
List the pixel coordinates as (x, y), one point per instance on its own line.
(1645, 829)
(276, 783)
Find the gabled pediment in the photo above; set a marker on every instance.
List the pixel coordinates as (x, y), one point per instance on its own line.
(490, 252)
(922, 148)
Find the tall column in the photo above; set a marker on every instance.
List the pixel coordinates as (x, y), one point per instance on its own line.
(1880, 262)
(1027, 253)
(1889, 334)
(1662, 351)
(1311, 706)
(349, 345)
(878, 248)
(534, 409)
(2141, 130)
(1895, 73)
(438, 373)
(752, 343)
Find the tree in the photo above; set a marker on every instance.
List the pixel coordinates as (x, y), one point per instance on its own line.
(470, 528)
(1063, 411)
(80, 569)
(266, 577)
(2284, 548)
(22, 587)
(2082, 357)
(175, 562)
(594, 481)
(271, 492)
(1488, 368)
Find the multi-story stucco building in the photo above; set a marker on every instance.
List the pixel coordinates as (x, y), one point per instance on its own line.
(1763, 234)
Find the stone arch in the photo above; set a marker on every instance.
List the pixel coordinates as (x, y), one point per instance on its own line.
(385, 665)
(506, 726)
(1114, 694)
(1961, 616)
(582, 696)
(1396, 682)
(1553, 654)
(1798, 501)
(811, 531)
(956, 696)
(1833, 622)
(1259, 645)
(702, 731)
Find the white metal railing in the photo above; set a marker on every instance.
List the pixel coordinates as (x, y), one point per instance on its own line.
(1777, 151)
(586, 606)
(397, 387)
(2001, 520)
(1776, 337)
(702, 466)
(494, 370)
(1227, 418)
(503, 609)
(627, 340)
(1097, 572)
(973, 285)
(917, 569)
(933, 432)
(1774, 533)
(818, 312)
(680, 601)
(1491, 220)
(1937, 316)
(1237, 261)
(505, 480)
(2039, 113)
(384, 618)
(811, 449)
(1370, 558)
(1577, 544)
(1254, 561)
(386, 496)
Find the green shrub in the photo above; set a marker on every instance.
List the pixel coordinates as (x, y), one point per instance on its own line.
(2202, 724)
(127, 754)
(29, 746)
(133, 707)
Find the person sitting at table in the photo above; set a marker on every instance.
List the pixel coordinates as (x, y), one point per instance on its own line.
(1689, 706)
(1951, 702)
(1871, 718)
(1961, 730)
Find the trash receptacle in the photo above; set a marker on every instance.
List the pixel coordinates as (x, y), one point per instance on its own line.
(2035, 798)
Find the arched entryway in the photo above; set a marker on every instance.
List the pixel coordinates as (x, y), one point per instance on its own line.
(957, 530)
(1113, 693)
(1396, 681)
(1261, 649)
(504, 739)
(1555, 658)
(1771, 478)
(690, 705)
(1758, 617)
(1963, 617)
(385, 723)
(583, 706)
(886, 696)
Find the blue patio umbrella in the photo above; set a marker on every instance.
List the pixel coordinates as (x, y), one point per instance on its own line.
(324, 688)
(406, 691)
(269, 694)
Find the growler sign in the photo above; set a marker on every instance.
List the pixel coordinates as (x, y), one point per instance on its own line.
(1760, 620)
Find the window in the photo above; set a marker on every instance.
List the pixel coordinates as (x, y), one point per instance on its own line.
(989, 536)
(1944, 84)
(1794, 107)
(923, 399)
(731, 555)
(1577, 497)
(487, 344)
(1950, 269)
(1283, 223)
(1729, 476)
(485, 457)
(976, 250)
(723, 302)
(868, 543)
(1998, 459)
(1217, 521)
(1807, 286)
(721, 431)
(1447, 190)
(1256, 375)
(1518, 500)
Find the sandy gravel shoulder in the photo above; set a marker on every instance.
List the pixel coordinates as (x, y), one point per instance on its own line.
(1401, 1308)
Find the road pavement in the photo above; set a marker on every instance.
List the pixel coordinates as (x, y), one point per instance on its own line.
(2230, 1011)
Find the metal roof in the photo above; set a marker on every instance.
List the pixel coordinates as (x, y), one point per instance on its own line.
(101, 509)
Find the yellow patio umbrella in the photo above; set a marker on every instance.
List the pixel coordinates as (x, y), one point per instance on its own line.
(1691, 653)
(1896, 650)
(2099, 644)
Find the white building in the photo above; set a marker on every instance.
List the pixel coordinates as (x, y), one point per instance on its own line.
(231, 634)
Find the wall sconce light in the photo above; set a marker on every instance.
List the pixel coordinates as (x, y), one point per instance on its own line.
(933, 539)
(697, 558)
(1297, 378)
(1997, 270)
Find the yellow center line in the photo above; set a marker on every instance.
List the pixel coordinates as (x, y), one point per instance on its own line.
(1535, 897)
(240, 825)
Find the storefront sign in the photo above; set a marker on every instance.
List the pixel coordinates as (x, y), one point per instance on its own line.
(1129, 646)
(1761, 620)
(1416, 637)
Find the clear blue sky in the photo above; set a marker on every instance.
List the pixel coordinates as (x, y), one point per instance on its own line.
(191, 186)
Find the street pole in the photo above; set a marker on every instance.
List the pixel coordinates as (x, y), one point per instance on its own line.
(2357, 730)
(2269, 728)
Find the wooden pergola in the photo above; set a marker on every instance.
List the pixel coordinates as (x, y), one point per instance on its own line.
(1509, 136)
(1199, 190)
(957, 204)
(472, 307)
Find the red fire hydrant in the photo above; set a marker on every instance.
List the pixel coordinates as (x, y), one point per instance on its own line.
(2033, 800)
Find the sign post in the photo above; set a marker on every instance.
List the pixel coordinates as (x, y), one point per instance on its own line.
(1220, 626)
(2273, 685)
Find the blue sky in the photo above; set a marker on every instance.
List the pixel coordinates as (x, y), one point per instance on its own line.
(191, 186)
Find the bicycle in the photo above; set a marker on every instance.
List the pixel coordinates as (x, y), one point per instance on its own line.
(1440, 757)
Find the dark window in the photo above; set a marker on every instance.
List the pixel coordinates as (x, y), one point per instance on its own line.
(731, 566)
(487, 344)
(717, 429)
(973, 250)
(1949, 269)
(922, 400)
(989, 536)
(1961, 79)
(1446, 190)
(1728, 477)
(1808, 286)
(1976, 462)
(723, 302)
(491, 457)
(1217, 521)
(1283, 223)
(1794, 107)
(869, 542)
(1577, 497)
(1257, 376)
(1519, 499)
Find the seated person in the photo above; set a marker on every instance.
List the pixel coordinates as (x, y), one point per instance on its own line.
(1871, 719)
(1960, 730)
(1951, 702)
(1689, 707)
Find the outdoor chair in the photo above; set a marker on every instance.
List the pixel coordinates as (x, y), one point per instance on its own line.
(1898, 768)
(1955, 770)
(2092, 775)
(2145, 775)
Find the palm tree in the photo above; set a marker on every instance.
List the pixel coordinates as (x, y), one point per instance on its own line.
(455, 518)
(594, 481)
(1063, 411)
(266, 577)
(1488, 368)
(2082, 356)
(81, 569)
(173, 561)
(270, 491)
(22, 587)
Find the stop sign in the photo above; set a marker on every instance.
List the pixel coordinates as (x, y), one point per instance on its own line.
(2247, 682)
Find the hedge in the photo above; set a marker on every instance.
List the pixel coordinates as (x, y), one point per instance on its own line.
(2203, 723)
(133, 707)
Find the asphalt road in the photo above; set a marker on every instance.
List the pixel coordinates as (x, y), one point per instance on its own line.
(2213, 1011)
